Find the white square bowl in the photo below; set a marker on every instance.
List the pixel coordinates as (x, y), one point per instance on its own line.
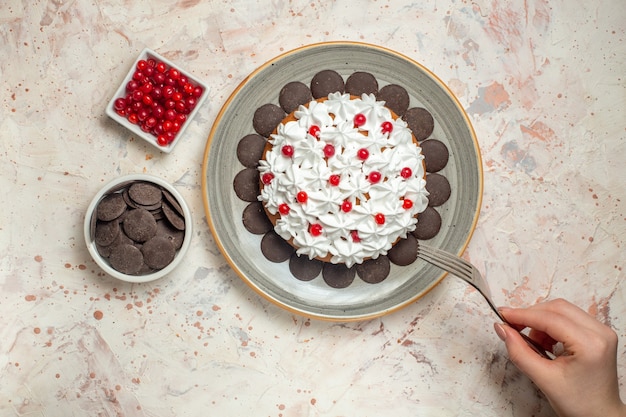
(147, 54)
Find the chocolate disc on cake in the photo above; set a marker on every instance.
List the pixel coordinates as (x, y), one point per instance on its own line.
(420, 122)
(404, 252)
(255, 219)
(338, 275)
(293, 94)
(438, 188)
(374, 271)
(326, 82)
(428, 224)
(435, 153)
(266, 118)
(395, 97)
(275, 248)
(361, 83)
(250, 150)
(303, 268)
(246, 184)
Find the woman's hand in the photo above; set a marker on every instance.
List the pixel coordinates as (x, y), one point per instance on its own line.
(581, 381)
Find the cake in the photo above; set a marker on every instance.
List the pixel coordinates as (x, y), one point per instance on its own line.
(342, 179)
(248, 183)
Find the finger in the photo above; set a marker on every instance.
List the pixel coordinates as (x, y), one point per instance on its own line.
(524, 357)
(543, 339)
(559, 319)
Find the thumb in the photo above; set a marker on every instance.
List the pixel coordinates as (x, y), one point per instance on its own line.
(522, 355)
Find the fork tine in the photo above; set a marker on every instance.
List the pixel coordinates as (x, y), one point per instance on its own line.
(444, 261)
(455, 261)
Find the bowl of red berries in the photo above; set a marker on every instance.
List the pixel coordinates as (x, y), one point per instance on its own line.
(157, 100)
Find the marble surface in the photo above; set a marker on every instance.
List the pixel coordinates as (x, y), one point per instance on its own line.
(543, 84)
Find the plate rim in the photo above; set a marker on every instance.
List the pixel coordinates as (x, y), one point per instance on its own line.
(252, 284)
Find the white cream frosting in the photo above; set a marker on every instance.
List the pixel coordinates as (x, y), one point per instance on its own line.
(308, 169)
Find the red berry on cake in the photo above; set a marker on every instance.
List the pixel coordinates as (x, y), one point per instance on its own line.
(287, 150)
(387, 127)
(329, 150)
(374, 177)
(379, 218)
(359, 120)
(362, 154)
(315, 229)
(267, 178)
(406, 172)
(355, 236)
(284, 209)
(407, 204)
(334, 180)
(302, 197)
(314, 131)
(346, 206)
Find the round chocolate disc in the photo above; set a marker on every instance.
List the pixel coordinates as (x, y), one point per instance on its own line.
(246, 184)
(111, 207)
(420, 122)
(250, 150)
(326, 82)
(106, 232)
(338, 275)
(435, 153)
(173, 217)
(428, 224)
(275, 248)
(266, 118)
(158, 252)
(294, 94)
(438, 188)
(255, 219)
(303, 268)
(374, 271)
(126, 259)
(139, 225)
(361, 83)
(404, 252)
(395, 97)
(165, 229)
(145, 193)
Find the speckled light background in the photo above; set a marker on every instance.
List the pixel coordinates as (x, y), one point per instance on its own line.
(543, 83)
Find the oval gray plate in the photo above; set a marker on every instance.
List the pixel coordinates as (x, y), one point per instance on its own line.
(241, 249)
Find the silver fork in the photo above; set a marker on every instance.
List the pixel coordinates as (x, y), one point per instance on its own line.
(460, 268)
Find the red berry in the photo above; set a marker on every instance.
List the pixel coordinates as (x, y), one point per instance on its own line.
(131, 86)
(142, 64)
(329, 150)
(147, 100)
(267, 178)
(119, 104)
(346, 206)
(162, 140)
(177, 95)
(407, 204)
(137, 95)
(287, 150)
(168, 91)
(173, 73)
(133, 118)
(188, 88)
(315, 229)
(180, 107)
(167, 126)
(406, 172)
(379, 218)
(170, 114)
(302, 197)
(334, 180)
(359, 120)
(147, 88)
(161, 67)
(387, 127)
(284, 209)
(159, 78)
(362, 154)
(314, 131)
(197, 91)
(355, 236)
(374, 177)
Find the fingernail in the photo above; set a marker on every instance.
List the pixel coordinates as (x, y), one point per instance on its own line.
(500, 331)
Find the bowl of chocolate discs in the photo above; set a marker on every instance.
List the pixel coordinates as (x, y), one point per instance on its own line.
(138, 228)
